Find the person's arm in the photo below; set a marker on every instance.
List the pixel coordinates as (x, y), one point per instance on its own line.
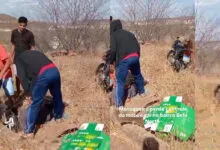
(5, 68)
(32, 42)
(12, 53)
(113, 46)
(12, 48)
(22, 75)
(138, 46)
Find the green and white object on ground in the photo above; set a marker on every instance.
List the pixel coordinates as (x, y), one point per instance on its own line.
(172, 116)
(90, 136)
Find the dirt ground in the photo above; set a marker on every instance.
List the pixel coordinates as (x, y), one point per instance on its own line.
(208, 123)
(88, 103)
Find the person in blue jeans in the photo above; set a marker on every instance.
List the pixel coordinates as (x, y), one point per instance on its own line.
(125, 54)
(38, 74)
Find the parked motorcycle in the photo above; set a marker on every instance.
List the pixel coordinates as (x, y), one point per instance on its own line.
(181, 61)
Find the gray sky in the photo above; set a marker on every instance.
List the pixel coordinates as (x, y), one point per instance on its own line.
(29, 7)
(209, 7)
(178, 8)
(19, 8)
(208, 16)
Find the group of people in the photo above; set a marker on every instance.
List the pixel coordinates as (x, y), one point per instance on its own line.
(34, 71)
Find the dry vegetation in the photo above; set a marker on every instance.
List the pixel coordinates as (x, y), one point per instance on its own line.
(164, 81)
(207, 62)
(208, 124)
(89, 103)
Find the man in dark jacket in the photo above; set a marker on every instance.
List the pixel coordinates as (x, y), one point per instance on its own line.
(125, 53)
(38, 74)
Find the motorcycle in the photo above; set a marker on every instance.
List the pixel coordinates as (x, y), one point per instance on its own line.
(103, 73)
(181, 61)
(103, 70)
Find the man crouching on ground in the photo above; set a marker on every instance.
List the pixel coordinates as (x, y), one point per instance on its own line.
(38, 74)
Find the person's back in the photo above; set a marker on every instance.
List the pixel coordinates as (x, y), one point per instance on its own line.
(126, 42)
(30, 63)
(33, 61)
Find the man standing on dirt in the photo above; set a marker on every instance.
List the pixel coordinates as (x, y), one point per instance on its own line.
(22, 39)
(38, 74)
(125, 53)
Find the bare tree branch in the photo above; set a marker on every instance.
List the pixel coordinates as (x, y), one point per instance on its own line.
(72, 19)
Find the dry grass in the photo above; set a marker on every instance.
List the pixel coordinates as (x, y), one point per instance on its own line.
(164, 80)
(79, 88)
(208, 124)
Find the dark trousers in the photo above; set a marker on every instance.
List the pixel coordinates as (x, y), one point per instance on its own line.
(49, 79)
(133, 65)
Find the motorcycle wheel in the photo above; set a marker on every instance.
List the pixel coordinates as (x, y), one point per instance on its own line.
(12, 116)
(184, 66)
(16, 123)
(102, 80)
(170, 57)
(177, 65)
(99, 73)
